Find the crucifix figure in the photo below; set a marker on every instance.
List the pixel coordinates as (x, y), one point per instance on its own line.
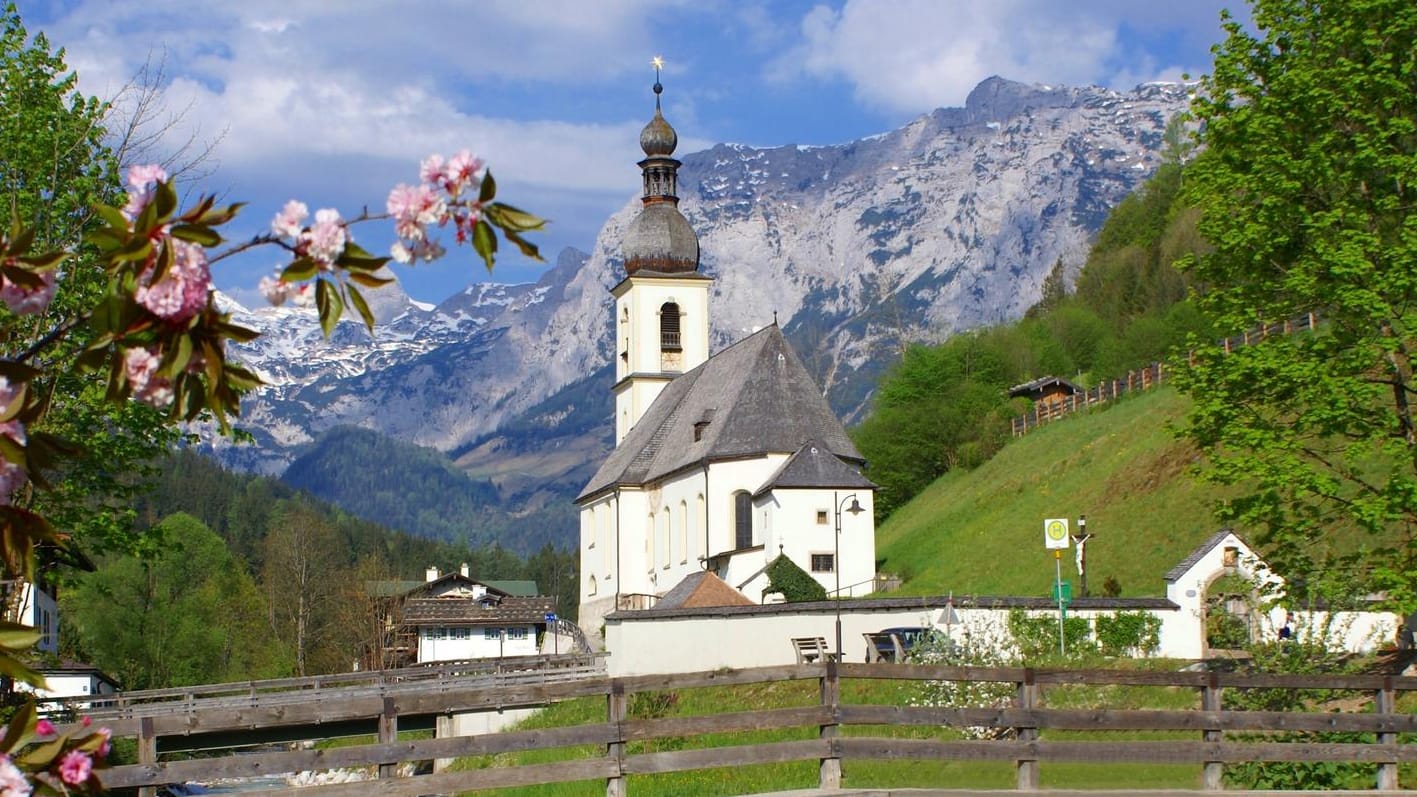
(1080, 542)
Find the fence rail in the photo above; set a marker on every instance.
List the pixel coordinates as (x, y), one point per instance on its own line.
(1144, 379)
(842, 732)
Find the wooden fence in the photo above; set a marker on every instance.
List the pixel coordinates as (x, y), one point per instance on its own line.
(1144, 379)
(838, 734)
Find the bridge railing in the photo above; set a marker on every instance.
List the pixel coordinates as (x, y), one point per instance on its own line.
(148, 702)
(1028, 732)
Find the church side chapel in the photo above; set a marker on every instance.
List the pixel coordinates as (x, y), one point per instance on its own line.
(722, 464)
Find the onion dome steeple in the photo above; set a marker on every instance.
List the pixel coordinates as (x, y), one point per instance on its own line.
(660, 238)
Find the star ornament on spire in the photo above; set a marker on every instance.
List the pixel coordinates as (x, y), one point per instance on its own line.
(658, 63)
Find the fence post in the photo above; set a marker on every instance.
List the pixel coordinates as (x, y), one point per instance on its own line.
(616, 709)
(388, 734)
(147, 752)
(830, 774)
(1384, 702)
(1027, 700)
(1211, 775)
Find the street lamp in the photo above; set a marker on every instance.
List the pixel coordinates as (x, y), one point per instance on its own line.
(854, 509)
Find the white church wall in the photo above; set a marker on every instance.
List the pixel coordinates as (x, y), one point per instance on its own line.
(802, 524)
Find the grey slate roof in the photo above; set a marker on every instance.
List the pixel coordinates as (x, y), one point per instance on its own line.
(814, 466)
(452, 611)
(761, 399)
(1199, 553)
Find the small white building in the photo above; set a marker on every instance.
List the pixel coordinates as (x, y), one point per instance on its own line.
(73, 680)
(455, 618)
(721, 463)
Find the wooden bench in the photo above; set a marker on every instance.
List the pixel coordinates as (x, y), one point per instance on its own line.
(811, 648)
(891, 642)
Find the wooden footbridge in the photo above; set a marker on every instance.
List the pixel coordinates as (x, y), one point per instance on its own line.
(376, 703)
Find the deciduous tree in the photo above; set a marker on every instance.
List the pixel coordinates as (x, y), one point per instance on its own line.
(1308, 183)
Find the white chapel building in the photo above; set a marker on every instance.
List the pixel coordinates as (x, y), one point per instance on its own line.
(721, 463)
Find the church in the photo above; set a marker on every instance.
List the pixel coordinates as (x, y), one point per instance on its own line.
(722, 463)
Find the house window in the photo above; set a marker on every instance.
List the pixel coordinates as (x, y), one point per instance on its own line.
(743, 519)
(590, 586)
(823, 563)
(669, 327)
(491, 633)
(1231, 557)
(516, 633)
(464, 633)
(821, 517)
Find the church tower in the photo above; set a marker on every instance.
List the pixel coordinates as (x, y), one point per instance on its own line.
(661, 307)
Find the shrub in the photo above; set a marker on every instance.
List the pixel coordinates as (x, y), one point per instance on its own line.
(1036, 637)
(793, 582)
(1124, 633)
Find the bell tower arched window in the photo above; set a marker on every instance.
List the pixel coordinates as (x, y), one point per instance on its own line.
(669, 327)
(742, 520)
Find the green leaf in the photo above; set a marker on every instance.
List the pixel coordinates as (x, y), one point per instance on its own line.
(111, 216)
(220, 215)
(359, 304)
(489, 188)
(484, 242)
(299, 270)
(527, 248)
(12, 410)
(330, 307)
(369, 280)
(13, 452)
(42, 755)
(508, 217)
(19, 244)
(21, 726)
(165, 200)
(44, 262)
(14, 636)
(197, 234)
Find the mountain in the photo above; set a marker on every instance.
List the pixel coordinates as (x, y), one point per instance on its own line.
(859, 249)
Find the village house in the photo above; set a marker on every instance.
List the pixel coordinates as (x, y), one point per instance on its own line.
(453, 617)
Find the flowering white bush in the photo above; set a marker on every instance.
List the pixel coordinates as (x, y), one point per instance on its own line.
(982, 645)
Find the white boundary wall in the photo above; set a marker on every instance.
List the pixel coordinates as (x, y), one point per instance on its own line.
(690, 640)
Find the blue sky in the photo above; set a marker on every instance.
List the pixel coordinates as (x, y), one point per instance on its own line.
(335, 102)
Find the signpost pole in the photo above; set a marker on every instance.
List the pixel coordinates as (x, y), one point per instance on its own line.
(1058, 588)
(1055, 539)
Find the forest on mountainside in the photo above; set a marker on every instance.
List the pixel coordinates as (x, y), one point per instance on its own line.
(243, 577)
(945, 407)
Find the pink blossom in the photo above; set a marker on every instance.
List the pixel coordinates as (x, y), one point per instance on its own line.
(432, 170)
(12, 780)
(303, 295)
(107, 746)
(275, 289)
(25, 300)
(290, 220)
(325, 239)
(74, 767)
(44, 728)
(142, 183)
(140, 366)
(462, 172)
(86, 720)
(415, 206)
(182, 292)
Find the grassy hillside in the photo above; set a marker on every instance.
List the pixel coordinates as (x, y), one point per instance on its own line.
(981, 532)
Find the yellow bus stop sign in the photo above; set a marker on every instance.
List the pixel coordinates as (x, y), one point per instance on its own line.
(1055, 533)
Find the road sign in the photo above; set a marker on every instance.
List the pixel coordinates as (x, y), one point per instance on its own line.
(1063, 593)
(550, 617)
(1055, 533)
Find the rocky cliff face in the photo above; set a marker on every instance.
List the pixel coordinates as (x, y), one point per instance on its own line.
(949, 223)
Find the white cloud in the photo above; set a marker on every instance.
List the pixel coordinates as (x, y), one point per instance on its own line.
(910, 55)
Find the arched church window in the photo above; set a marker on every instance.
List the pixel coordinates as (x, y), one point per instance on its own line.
(742, 520)
(590, 586)
(669, 327)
